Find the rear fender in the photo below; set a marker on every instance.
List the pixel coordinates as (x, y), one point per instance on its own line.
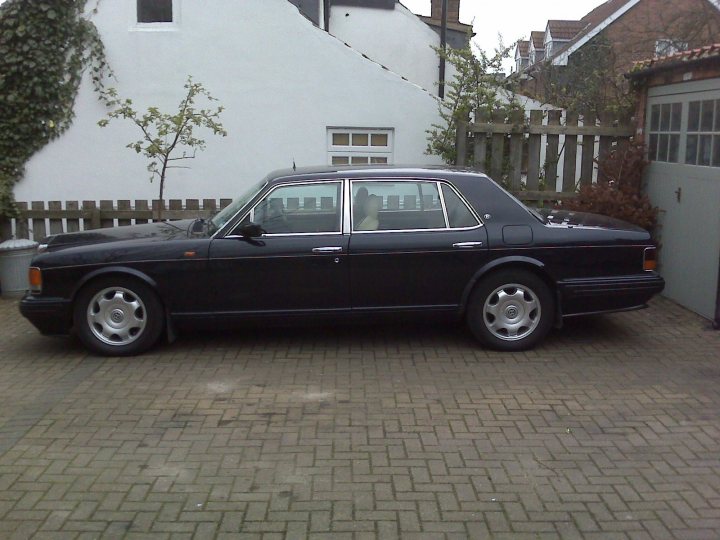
(513, 261)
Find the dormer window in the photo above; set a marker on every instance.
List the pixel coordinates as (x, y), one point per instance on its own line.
(154, 11)
(664, 47)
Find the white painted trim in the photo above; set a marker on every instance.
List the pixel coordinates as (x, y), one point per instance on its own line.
(562, 58)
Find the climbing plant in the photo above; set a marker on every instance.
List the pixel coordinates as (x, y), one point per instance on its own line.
(478, 86)
(45, 48)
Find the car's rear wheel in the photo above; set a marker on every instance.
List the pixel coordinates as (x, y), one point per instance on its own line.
(118, 316)
(511, 310)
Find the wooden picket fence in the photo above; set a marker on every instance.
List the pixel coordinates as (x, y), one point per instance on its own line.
(39, 219)
(542, 156)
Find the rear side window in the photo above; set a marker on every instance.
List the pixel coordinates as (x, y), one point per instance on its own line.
(396, 206)
(459, 215)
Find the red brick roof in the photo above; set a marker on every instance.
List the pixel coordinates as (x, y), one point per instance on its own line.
(523, 48)
(602, 12)
(708, 52)
(538, 39)
(565, 29)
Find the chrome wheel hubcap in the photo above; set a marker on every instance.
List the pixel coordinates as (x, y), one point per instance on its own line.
(511, 312)
(116, 316)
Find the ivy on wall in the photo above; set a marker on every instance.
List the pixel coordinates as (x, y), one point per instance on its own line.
(45, 47)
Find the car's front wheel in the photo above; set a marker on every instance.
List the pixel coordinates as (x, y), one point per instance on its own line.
(118, 316)
(511, 310)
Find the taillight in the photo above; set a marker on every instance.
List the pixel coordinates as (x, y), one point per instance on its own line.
(650, 259)
(35, 279)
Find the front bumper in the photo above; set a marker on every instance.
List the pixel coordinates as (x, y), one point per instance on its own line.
(51, 316)
(617, 293)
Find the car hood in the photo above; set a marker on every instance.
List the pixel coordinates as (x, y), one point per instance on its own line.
(160, 231)
(568, 218)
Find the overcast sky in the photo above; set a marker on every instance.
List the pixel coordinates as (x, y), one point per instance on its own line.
(513, 19)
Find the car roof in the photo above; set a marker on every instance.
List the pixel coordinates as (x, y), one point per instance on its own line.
(375, 171)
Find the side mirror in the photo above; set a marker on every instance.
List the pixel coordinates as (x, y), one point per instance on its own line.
(198, 227)
(252, 230)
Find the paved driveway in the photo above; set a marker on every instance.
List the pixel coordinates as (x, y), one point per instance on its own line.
(609, 430)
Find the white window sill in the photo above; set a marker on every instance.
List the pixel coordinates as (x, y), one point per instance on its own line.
(155, 27)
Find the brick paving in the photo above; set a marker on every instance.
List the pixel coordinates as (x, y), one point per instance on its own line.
(609, 430)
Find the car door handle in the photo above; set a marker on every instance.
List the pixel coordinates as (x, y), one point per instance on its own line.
(333, 249)
(467, 245)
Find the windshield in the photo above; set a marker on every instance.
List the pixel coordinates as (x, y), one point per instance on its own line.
(224, 215)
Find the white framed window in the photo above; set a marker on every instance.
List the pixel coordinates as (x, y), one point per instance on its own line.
(155, 14)
(663, 47)
(664, 133)
(360, 146)
(702, 146)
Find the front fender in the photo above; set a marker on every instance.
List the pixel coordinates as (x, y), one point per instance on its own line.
(123, 270)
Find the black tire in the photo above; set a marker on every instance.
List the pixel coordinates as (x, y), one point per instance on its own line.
(511, 310)
(122, 305)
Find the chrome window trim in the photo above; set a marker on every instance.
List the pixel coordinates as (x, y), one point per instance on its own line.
(347, 207)
(442, 204)
(235, 221)
(415, 179)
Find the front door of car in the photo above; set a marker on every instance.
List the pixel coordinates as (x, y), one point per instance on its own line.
(298, 264)
(415, 245)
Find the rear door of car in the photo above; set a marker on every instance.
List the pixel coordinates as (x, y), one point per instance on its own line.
(420, 250)
(299, 265)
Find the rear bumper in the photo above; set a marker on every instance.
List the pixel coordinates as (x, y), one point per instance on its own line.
(617, 293)
(51, 316)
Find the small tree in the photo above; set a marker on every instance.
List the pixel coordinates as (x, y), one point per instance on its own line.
(163, 134)
(478, 86)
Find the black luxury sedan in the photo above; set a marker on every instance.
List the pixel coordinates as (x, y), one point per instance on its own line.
(344, 243)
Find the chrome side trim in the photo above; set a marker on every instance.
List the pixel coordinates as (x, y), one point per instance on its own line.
(347, 207)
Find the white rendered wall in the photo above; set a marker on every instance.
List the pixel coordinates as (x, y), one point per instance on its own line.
(397, 39)
(282, 82)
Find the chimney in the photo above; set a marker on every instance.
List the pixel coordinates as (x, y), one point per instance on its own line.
(453, 10)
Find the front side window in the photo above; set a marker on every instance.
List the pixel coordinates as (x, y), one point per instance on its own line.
(396, 206)
(664, 133)
(154, 11)
(358, 146)
(299, 209)
(702, 146)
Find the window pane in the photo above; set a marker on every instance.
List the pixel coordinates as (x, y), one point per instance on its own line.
(360, 139)
(716, 151)
(665, 117)
(704, 149)
(662, 154)
(655, 118)
(379, 139)
(674, 148)
(694, 116)
(376, 206)
(675, 116)
(359, 160)
(341, 139)
(154, 11)
(652, 147)
(380, 160)
(340, 160)
(706, 121)
(295, 209)
(717, 115)
(691, 149)
(459, 214)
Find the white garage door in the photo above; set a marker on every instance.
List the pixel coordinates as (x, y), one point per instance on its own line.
(683, 136)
